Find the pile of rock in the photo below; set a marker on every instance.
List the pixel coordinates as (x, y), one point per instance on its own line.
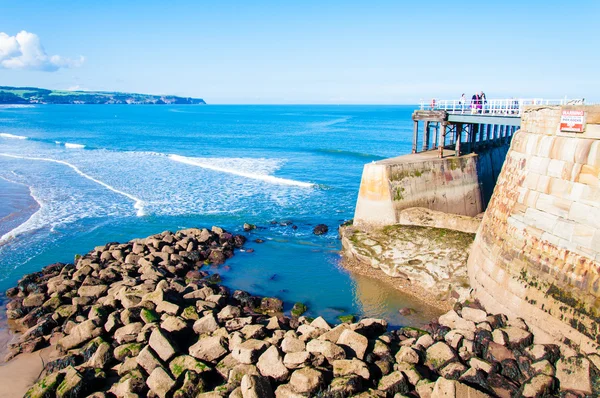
(141, 319)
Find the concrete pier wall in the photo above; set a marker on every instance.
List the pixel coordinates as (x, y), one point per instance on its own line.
(537, 252)
(458, 185)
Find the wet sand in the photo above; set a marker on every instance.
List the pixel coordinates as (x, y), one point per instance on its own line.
(430, 307)
(17, 375)
(16, 205)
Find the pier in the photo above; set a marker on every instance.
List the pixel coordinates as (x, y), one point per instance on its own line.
(466, 127)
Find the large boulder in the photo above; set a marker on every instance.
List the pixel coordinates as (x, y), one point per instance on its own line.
(353, 343)
(306, 381)
(348, 367)
(574, 374)
(209, 349)
(445, 388)
(162, 345)
(439, 355)
(160, 383)
(249, 351)
(326, 348)
(256, 387)
(270, 364)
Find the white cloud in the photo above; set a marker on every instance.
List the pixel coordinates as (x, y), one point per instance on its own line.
(24, 51)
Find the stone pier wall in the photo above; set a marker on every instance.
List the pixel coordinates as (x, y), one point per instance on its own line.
(453, 185)
(537, 252)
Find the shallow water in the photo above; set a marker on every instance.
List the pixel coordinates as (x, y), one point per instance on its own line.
(113, 173)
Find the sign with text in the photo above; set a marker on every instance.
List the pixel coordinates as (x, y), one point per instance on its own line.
(572, 121)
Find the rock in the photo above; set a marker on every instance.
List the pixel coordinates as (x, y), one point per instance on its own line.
(237, 323)
(477, 363)
(306, 381)
(537, 352)
(285, 391)
(81, 333)
(270, 364)
(209, 349)
(346, 386)
(542, 367)
(497, 353)
(320, 229)
(101, 356)
(46, 386)
(72, 384)
(452, 320)
(328, 349)
(34, 300)
(574, 374)
(445, 388)
(393, 383)
(161, 345)
(92, 291)
(253, 331)
(539, 386)
(438, 355)
(249, 351)
(128, 333)
(295, 360)
(408, 355)
(173, 324)
(291, 344)
(256, 387)
(298, 309)
(453, 370)
(147, 360)
(206, 324)
(353, 343)
(228, 312)
(183, 363)
(249, 227)
(425, 341)
(334, 334)
(410, 372)
(271, 305)
(371, 327)
(131, 383)
(347, 367)
(406, 311)
(127, 350)
(238, 371)
(160, 382)
(499, 337)
(320, 323)
(473, 314)
(517, 338)
(424, 388)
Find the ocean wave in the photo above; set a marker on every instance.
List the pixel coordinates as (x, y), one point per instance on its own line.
(74, 146)
(29, 224)
(138, 203)
(13, 136)
(230, 166)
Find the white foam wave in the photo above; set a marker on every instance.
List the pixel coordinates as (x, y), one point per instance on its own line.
(138, 203)
(12, 136)
(74, 146)
(216, 165)
(27, 225)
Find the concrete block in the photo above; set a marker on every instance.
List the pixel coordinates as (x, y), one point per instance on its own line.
(540, 219)
(552, 205)
(583, 151)
(585, 214)
(538, 165)
(555, 168)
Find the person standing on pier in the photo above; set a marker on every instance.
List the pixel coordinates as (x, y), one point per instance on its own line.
(482, 101)
(462, 102)
(474, 103)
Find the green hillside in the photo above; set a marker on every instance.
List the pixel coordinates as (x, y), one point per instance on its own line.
(34, 95)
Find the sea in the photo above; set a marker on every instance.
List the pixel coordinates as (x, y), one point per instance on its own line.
(73, 177)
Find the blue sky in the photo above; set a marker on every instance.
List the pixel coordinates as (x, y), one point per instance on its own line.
(367, 52)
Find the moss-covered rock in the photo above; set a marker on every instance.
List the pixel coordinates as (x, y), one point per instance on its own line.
(298, 309)
(46, 387)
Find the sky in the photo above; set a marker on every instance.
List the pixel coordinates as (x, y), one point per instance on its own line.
(306, 52)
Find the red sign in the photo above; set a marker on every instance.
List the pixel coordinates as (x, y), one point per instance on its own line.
(572, 121)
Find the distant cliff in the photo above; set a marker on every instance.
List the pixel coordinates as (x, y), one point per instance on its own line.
(33, 95)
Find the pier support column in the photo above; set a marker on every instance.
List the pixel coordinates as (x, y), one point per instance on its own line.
(489, 135)
(459, 128)
(442, 139)
(426, 134)
(415, 136)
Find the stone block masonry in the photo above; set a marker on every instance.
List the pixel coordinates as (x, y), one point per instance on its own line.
(456, 185)
(537, 253)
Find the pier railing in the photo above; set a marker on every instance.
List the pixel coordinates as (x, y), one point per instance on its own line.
(493, 107)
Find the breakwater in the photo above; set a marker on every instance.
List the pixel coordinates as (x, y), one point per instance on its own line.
(537, 252)
(142, 318)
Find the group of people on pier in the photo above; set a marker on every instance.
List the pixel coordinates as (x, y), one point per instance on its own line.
(478, 100)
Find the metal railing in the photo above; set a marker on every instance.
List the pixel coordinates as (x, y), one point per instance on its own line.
(494, 107)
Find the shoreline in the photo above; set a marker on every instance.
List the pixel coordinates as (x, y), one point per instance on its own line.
(20, 205)
(402, 285)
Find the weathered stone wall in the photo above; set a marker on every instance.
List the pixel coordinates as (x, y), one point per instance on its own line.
(453, 185)
(537, 253)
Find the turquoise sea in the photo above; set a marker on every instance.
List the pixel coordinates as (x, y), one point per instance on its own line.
(102, 173)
